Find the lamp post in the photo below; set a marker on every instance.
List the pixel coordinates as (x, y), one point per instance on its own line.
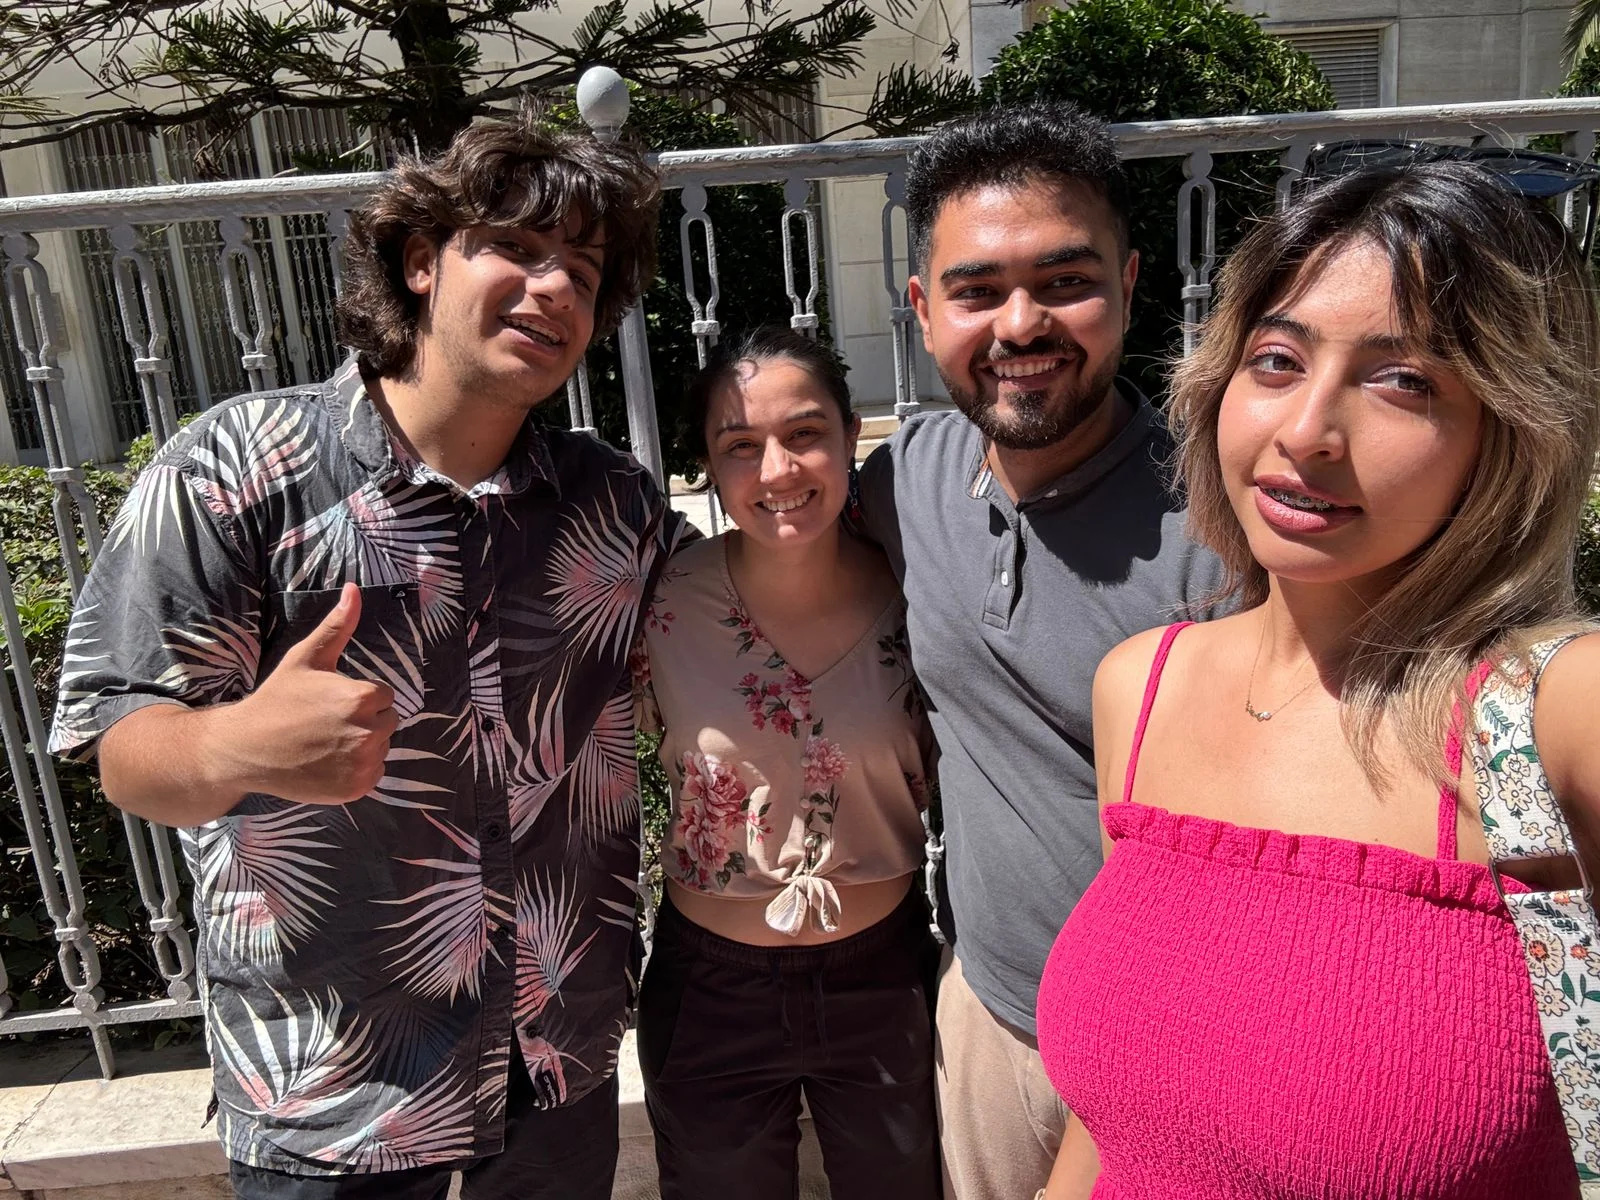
(603, 104)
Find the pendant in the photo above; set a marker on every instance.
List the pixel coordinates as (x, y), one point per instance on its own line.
(1260, 716)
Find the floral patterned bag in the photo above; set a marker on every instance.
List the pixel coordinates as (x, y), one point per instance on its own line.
(1559, 931)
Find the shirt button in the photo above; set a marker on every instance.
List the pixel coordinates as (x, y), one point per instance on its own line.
(1005, 578)
(494, 831)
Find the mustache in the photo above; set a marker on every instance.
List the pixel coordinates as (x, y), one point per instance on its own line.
(1005, 351)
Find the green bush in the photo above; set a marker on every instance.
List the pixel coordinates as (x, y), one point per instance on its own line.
(1159, 60)
(1588, 556)
(114, 913)
(1584, 78)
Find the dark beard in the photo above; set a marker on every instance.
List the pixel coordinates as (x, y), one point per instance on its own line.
(1037, 419)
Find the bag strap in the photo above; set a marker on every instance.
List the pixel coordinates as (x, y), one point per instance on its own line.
(1560, 935)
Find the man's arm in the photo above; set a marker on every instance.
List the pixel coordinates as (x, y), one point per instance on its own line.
(307, 733)
(161, 671)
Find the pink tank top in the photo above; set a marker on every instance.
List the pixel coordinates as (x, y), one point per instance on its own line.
(1245, 1013)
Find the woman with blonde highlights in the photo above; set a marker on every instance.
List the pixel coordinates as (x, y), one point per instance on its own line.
(1296, 974)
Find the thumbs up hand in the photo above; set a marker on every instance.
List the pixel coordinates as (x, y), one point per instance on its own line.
(308, 733)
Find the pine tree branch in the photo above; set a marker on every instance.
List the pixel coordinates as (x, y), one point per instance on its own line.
(161, 62)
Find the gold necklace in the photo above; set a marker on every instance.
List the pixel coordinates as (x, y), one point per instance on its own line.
(1266, 714)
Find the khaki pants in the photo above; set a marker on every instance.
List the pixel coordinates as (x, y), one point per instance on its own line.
(1000, 1120)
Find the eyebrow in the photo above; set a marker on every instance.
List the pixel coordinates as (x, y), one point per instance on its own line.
(1055, 258)
(584, 250)
(588, 256)
(808, 414)
(1373, 341)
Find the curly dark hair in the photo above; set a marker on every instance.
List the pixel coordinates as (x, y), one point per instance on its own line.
(512, 173)
(1012, 145)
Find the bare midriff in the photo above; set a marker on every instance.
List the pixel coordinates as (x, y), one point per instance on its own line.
(861, 905)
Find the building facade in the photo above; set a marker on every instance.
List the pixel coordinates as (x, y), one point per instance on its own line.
(1374, 53)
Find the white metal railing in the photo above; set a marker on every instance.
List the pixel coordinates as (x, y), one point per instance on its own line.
(145, 326)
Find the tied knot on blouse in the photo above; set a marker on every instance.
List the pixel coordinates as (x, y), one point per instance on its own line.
(788, 788)
(802, 895)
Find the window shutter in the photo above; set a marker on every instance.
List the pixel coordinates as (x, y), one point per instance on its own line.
(1350, 59)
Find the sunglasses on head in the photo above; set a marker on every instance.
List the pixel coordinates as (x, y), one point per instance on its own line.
(1535, 174)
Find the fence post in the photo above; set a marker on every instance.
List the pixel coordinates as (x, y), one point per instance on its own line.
(902, 317)
(603, 103)
(1196, 269)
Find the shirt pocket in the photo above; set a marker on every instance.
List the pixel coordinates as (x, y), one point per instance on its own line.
(387, 646)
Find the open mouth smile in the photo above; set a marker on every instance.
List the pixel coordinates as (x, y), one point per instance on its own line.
(539, 331)
(1022, 372)
(787, 504)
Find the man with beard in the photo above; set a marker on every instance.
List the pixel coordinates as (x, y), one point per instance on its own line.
(1032, 532)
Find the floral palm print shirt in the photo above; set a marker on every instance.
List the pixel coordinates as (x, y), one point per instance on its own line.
(786, 786)
(368, 970)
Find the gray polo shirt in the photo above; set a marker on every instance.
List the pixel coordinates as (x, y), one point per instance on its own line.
(1010, 610)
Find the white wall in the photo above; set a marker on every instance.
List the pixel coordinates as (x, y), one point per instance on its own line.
(1450, 50)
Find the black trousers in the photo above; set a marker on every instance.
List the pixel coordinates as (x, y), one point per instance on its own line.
(731, 1034)
(567, 1153)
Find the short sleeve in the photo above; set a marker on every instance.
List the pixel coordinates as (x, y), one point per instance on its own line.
(171, 613)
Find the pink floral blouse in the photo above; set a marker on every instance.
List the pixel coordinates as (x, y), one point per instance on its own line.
(786, 786)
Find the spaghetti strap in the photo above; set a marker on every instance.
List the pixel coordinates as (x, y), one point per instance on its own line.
(1157, 665)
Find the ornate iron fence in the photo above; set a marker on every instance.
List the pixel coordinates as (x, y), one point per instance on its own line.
(251, 219)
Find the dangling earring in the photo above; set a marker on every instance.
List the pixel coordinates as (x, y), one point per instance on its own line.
(852, 506)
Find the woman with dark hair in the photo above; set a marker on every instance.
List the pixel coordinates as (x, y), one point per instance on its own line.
(791, 954)
(1310, 965)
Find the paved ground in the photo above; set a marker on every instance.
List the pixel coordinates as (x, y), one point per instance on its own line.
(697, 507)
(67, 1135)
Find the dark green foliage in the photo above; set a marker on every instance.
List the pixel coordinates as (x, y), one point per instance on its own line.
(115, 914)
(1159, 60)
(655, 793)
(1584, 78)
(1588, 557)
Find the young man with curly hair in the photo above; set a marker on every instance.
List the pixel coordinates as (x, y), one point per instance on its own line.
(365, 645)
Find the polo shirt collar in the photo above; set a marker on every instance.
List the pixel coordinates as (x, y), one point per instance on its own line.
(1082, 478)
(370, 442)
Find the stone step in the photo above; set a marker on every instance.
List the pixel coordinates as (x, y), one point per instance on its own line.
(878, 428)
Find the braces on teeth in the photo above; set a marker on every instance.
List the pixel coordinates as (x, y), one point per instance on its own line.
(1296, 500)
